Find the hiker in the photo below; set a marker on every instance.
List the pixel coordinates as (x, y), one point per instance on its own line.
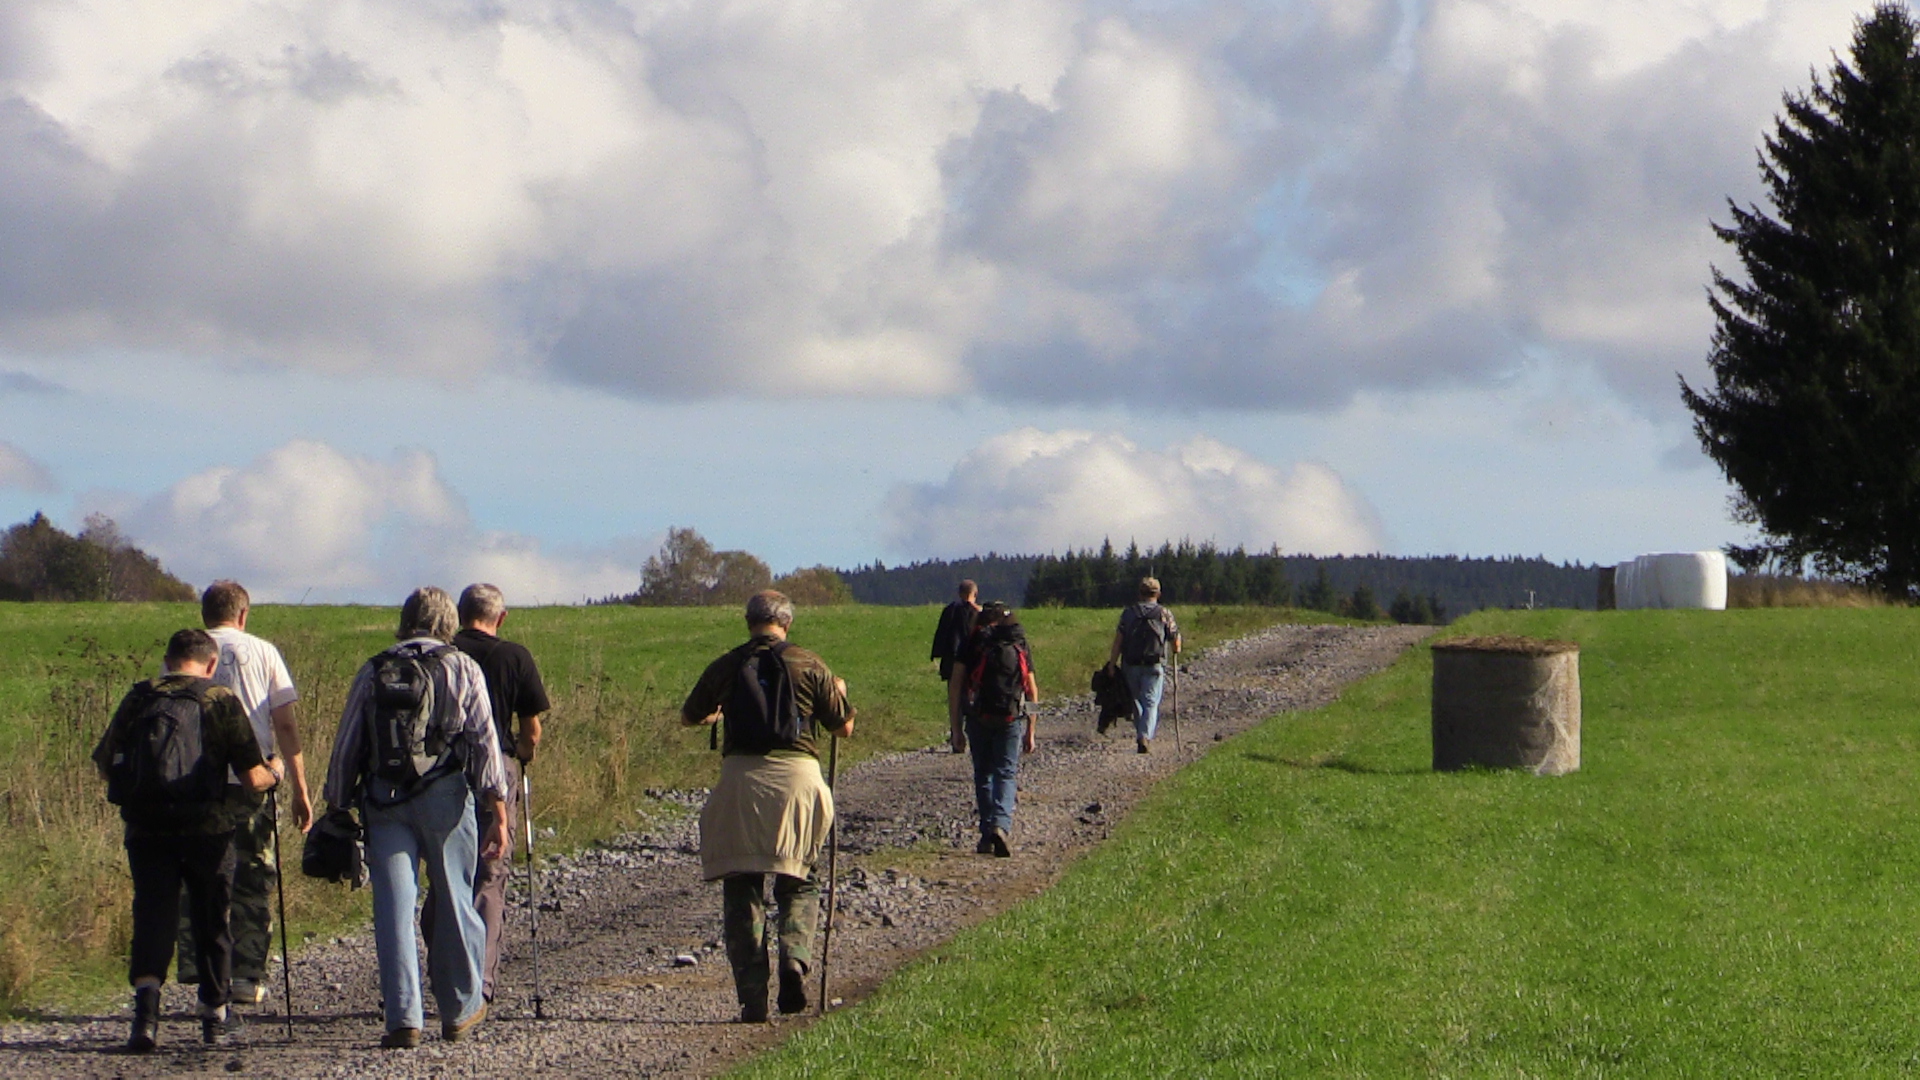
(949, 637)
(514, 690)
(416, 750)
(1147, 636)
(166, 756)
(770, 812)
(1000, 682)
(253, 669)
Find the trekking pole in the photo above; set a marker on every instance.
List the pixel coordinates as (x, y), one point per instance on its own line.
(833, 858)
(533, 893)
(1175, 665)
(280, 887)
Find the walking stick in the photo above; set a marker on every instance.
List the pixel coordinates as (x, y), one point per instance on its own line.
(533, 893)
(833, 858)
(280, 887)
(1174, 663)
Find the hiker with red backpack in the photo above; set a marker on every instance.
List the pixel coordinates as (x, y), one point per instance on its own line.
(1000, 683)
(1147, 640)
(165, 758)
(416, 750)
(770, 812)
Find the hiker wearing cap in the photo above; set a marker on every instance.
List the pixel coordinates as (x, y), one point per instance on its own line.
(166, 757)
(415, 751)
(771, 810)
(1146, 638)
(949, 638)
(254, 670)
(1000, 682)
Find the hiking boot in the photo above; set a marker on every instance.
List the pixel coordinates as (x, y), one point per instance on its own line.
(753, 1014)
(248, 992)
(985, 846)
(1139, 746)
(1001, 849)
(146, 1021)
(400, 1039)
(793, 987)
(458, 1030)
(219, 1024)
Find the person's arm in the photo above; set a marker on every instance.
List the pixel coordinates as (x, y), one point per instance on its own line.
(831, 709)
(1113, 654)
(261, 777)
(704, 700)
(532, 704)
(527, 742)
(349, 752)
(1032, 687)
(286, 735)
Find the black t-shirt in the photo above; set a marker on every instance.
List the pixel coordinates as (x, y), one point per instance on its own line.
(513, 682)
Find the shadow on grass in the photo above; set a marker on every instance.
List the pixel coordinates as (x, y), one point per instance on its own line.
(1336, 762)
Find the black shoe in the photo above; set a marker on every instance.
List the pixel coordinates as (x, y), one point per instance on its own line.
(1139, 746)
(1001, 849)
(146, 1021)
(985, 846)
(753, 1014)
(219, 1025)
(793, 987)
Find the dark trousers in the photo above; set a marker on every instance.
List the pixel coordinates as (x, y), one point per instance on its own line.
(743, 906)
(255, 873)
(160, 866)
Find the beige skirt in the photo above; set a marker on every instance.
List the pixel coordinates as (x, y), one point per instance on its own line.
(768, 815)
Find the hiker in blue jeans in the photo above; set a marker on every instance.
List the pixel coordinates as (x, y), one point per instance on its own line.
(1146, 639)
(999, 683)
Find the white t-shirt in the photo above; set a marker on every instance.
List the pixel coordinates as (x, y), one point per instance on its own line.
(252, 668)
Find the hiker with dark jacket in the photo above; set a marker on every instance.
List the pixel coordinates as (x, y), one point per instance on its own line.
(1147, 639)
(771, 810)
(165, 757)
(415, 751)
(950, 637)
(1000, 682)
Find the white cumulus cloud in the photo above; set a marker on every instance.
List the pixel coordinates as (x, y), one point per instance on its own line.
(18, 470)
(1036, 491)
(307, 521)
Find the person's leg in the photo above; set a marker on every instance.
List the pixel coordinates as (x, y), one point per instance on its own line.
(1006, 772)
(155, 869)
(743, 909)
(444, 818)
(207, 863)
(491, 875)
(254, 875)
(393, 868)
(1144, 682)
(799, 903)
(983, 756)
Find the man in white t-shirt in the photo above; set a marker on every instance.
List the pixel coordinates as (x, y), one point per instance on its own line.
(253, 669)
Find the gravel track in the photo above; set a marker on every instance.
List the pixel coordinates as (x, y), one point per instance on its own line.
(635, 982)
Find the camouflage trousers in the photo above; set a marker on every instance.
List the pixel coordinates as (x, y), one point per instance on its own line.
(254, 876)
(743, 907)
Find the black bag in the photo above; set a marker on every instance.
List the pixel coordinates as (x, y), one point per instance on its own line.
(334, 849)
(159, 764)
(406, 725)
(1000, 690)
(1146, 640)
(761, 714)
(1111, 696)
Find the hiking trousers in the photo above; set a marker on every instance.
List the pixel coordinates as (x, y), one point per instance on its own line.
(743, 905)
(160, 866)
(490, 879)
(995, 746)
(1145, 682)
(435, 826)
(254, 876)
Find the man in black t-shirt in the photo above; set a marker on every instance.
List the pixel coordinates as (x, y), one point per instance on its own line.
(514, 686)
(949, 638)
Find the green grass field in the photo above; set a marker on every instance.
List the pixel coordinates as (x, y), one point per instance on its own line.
(1726, 888)
(617, 676)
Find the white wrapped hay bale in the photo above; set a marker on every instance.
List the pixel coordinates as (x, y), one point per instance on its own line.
(1507, 703)
(1687, 579)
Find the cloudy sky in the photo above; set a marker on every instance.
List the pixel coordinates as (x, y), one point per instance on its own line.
(340, 296)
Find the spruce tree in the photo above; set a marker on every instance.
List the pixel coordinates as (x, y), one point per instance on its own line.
(1815, 415)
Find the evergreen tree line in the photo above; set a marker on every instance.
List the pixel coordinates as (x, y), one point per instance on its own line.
(41, 561)
(1000, 577)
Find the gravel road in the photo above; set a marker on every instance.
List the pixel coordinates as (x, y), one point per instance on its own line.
(635, 982)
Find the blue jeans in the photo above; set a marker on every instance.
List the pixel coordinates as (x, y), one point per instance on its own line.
(996, 764)
(435, 826)
(1145, 682)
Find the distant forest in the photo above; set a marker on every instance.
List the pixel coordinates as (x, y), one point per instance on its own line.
(41, 561)
(1425, 589)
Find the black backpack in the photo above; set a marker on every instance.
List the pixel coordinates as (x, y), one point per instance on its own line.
(1146, 640)
(761, 714)
(1000, 689)
(406, 721)
(160, 764)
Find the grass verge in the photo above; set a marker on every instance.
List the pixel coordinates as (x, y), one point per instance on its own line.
(1724, 889)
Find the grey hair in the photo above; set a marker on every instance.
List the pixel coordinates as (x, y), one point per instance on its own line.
(770, 608)
(481, 602)
(428, 612)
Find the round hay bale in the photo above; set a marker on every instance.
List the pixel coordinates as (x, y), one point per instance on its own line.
(1507, 703)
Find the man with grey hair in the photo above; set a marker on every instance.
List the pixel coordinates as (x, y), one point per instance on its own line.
(1146, 640)
(416, 749)
(515, 690)
(771, 810)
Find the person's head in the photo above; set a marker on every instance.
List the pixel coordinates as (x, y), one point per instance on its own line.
(428, 612)
(482, 606)
(968, 589)
(192, 652)
(991, 613)
(1149, 588)
(767, 609)
(224, 603)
